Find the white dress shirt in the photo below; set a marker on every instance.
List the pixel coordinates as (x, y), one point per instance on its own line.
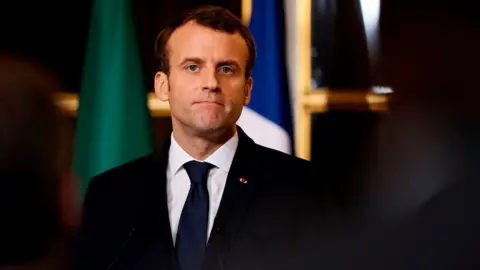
(178, 182)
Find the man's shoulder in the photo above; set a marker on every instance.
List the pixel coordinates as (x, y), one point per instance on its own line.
(281, 156)
(285, 171)
(281, 160)
(123, 175)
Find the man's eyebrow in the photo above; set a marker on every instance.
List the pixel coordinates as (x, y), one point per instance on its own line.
(195, 60)
(199, 61)
(229, 63)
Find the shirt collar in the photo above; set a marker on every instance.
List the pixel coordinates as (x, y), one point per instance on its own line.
(222, 158)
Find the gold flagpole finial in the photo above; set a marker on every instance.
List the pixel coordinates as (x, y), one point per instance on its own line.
(246, 11)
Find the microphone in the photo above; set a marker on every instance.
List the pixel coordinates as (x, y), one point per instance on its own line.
(124, 245)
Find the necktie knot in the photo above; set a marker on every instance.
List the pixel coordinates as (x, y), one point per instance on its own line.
(197, 171)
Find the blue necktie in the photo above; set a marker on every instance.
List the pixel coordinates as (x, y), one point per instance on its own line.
(192, 229)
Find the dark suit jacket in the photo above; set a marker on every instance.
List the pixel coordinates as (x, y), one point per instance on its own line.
(260, 224)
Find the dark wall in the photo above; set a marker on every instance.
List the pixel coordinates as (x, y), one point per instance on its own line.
(51, 32)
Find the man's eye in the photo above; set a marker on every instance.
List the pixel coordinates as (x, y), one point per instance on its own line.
(226, 69)
(192, 68)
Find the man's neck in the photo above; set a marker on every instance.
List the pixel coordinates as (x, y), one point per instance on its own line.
(202, 146)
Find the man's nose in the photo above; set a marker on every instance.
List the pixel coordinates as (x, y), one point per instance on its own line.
(210, 79)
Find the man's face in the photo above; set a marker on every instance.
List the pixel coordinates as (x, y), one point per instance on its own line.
(206, 87)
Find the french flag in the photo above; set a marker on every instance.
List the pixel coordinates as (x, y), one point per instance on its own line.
(267, 119)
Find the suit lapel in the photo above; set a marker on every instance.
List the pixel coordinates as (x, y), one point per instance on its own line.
(237, 196)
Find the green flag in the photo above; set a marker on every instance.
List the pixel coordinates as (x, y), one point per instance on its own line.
(113, 120)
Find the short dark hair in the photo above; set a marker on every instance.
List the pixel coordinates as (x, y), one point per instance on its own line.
(213, 17)
(34, 152)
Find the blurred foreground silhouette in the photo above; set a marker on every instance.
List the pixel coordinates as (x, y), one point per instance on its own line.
(38, 195)
(418, 208)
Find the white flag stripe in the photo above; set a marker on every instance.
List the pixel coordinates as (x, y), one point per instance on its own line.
(290, 7)
(263, 131)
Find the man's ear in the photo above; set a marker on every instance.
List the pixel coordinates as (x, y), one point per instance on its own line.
(162, 90)
(248, 91)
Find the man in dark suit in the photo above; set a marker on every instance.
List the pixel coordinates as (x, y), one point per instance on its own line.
(211, 198)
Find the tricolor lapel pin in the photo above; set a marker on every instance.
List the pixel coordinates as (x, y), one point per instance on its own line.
(243, 180)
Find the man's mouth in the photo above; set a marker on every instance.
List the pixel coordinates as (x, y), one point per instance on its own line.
(207, 102)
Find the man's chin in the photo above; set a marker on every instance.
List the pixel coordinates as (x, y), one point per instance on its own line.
(213, 130)
(209, 129)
